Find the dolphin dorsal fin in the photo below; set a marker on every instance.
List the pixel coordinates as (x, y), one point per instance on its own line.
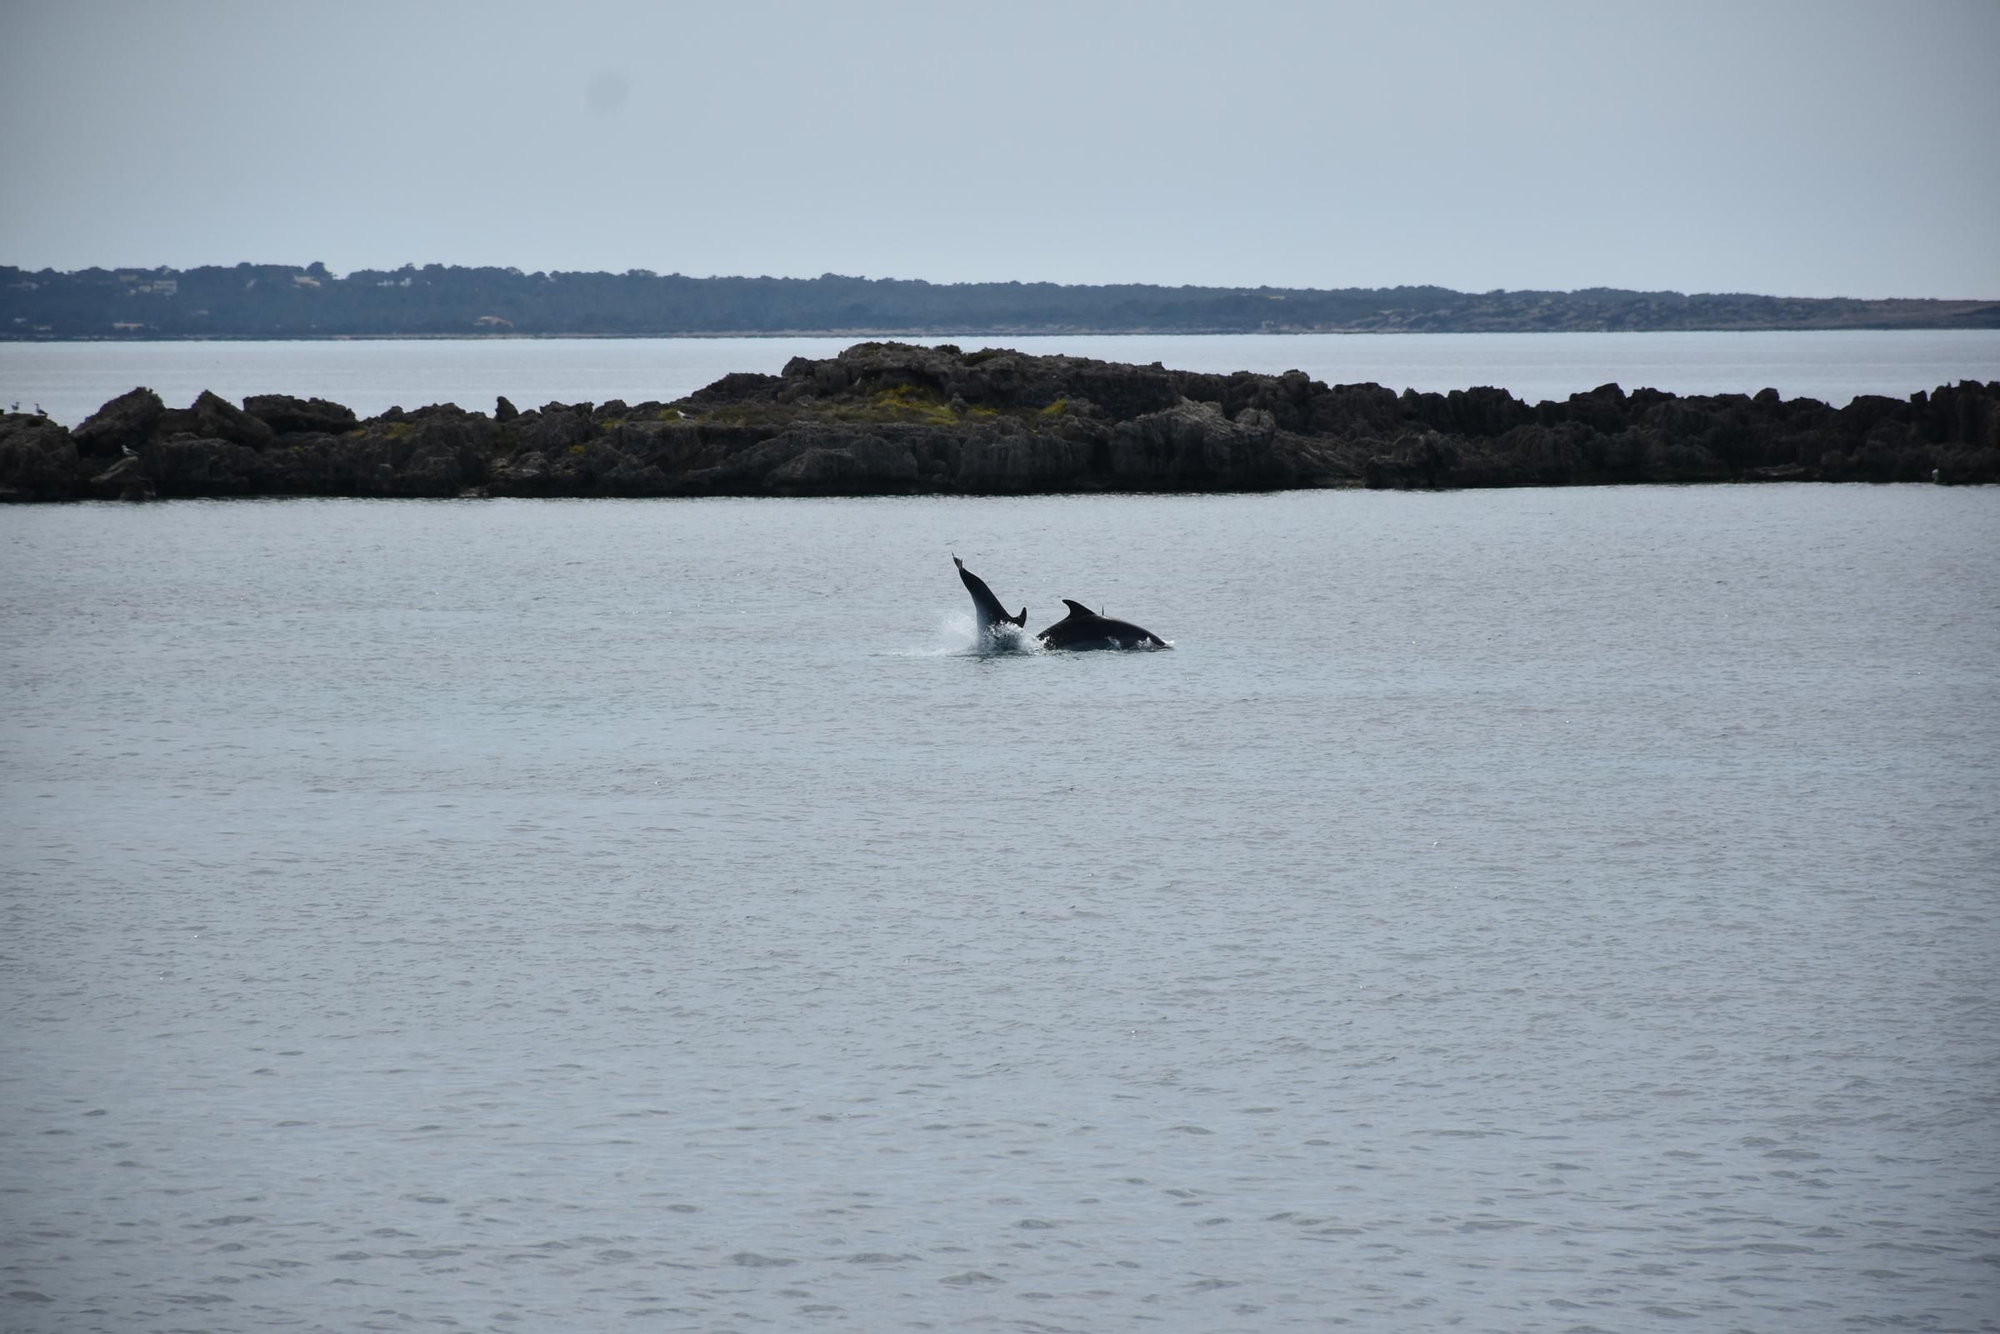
(1077, 608)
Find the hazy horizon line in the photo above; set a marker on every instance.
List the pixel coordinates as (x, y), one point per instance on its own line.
(342, 275)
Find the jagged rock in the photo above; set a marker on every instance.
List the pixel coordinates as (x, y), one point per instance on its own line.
(634, 479)
(189, 465)
(1417, 462)
(1603, 409)
(323, 465)
(888, 418)
(213, 417)
(286, 415)
(553, 428)
(738, 387)
(124, 480)
(868, 464)
(38, 459)
(1194, 445)
(523, 475)
(438, 451)
(127, 422)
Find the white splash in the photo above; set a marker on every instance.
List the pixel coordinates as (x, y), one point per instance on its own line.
(959, 636)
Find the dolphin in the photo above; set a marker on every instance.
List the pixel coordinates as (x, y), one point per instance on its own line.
(992, 616)
(1086, 629)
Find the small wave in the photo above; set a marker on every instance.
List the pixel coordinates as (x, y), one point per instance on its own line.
(957, 636)
(1005, 639)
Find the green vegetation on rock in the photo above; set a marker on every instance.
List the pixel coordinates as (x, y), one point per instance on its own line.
(893, 419)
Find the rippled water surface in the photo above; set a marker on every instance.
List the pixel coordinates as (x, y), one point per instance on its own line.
(1535, 910)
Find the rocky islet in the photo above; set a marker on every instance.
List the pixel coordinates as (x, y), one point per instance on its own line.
(898, 419)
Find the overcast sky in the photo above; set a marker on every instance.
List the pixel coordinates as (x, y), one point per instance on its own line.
(1814, 149)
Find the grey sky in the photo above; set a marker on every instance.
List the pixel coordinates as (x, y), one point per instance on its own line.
(1815, 149)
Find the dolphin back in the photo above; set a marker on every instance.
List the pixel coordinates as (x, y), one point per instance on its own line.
(1085, 629)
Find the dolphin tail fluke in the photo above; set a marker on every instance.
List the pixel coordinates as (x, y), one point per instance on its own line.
(1020, 618)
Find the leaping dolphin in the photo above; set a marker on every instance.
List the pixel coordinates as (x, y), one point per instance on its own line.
(991, 614)
(1086, 629)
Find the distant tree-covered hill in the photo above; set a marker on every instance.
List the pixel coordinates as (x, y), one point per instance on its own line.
(285, 301)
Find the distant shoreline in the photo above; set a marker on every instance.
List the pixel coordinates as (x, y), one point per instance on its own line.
(274, 302)
(879, 335)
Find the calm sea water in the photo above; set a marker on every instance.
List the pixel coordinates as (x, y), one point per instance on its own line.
(72, 380)
(1517, 911)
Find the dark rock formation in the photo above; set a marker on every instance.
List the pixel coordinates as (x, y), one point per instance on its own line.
(124, 480)
(890, 419)
(215, 416)
(126, 422)
(286, 415)
(38, 459)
